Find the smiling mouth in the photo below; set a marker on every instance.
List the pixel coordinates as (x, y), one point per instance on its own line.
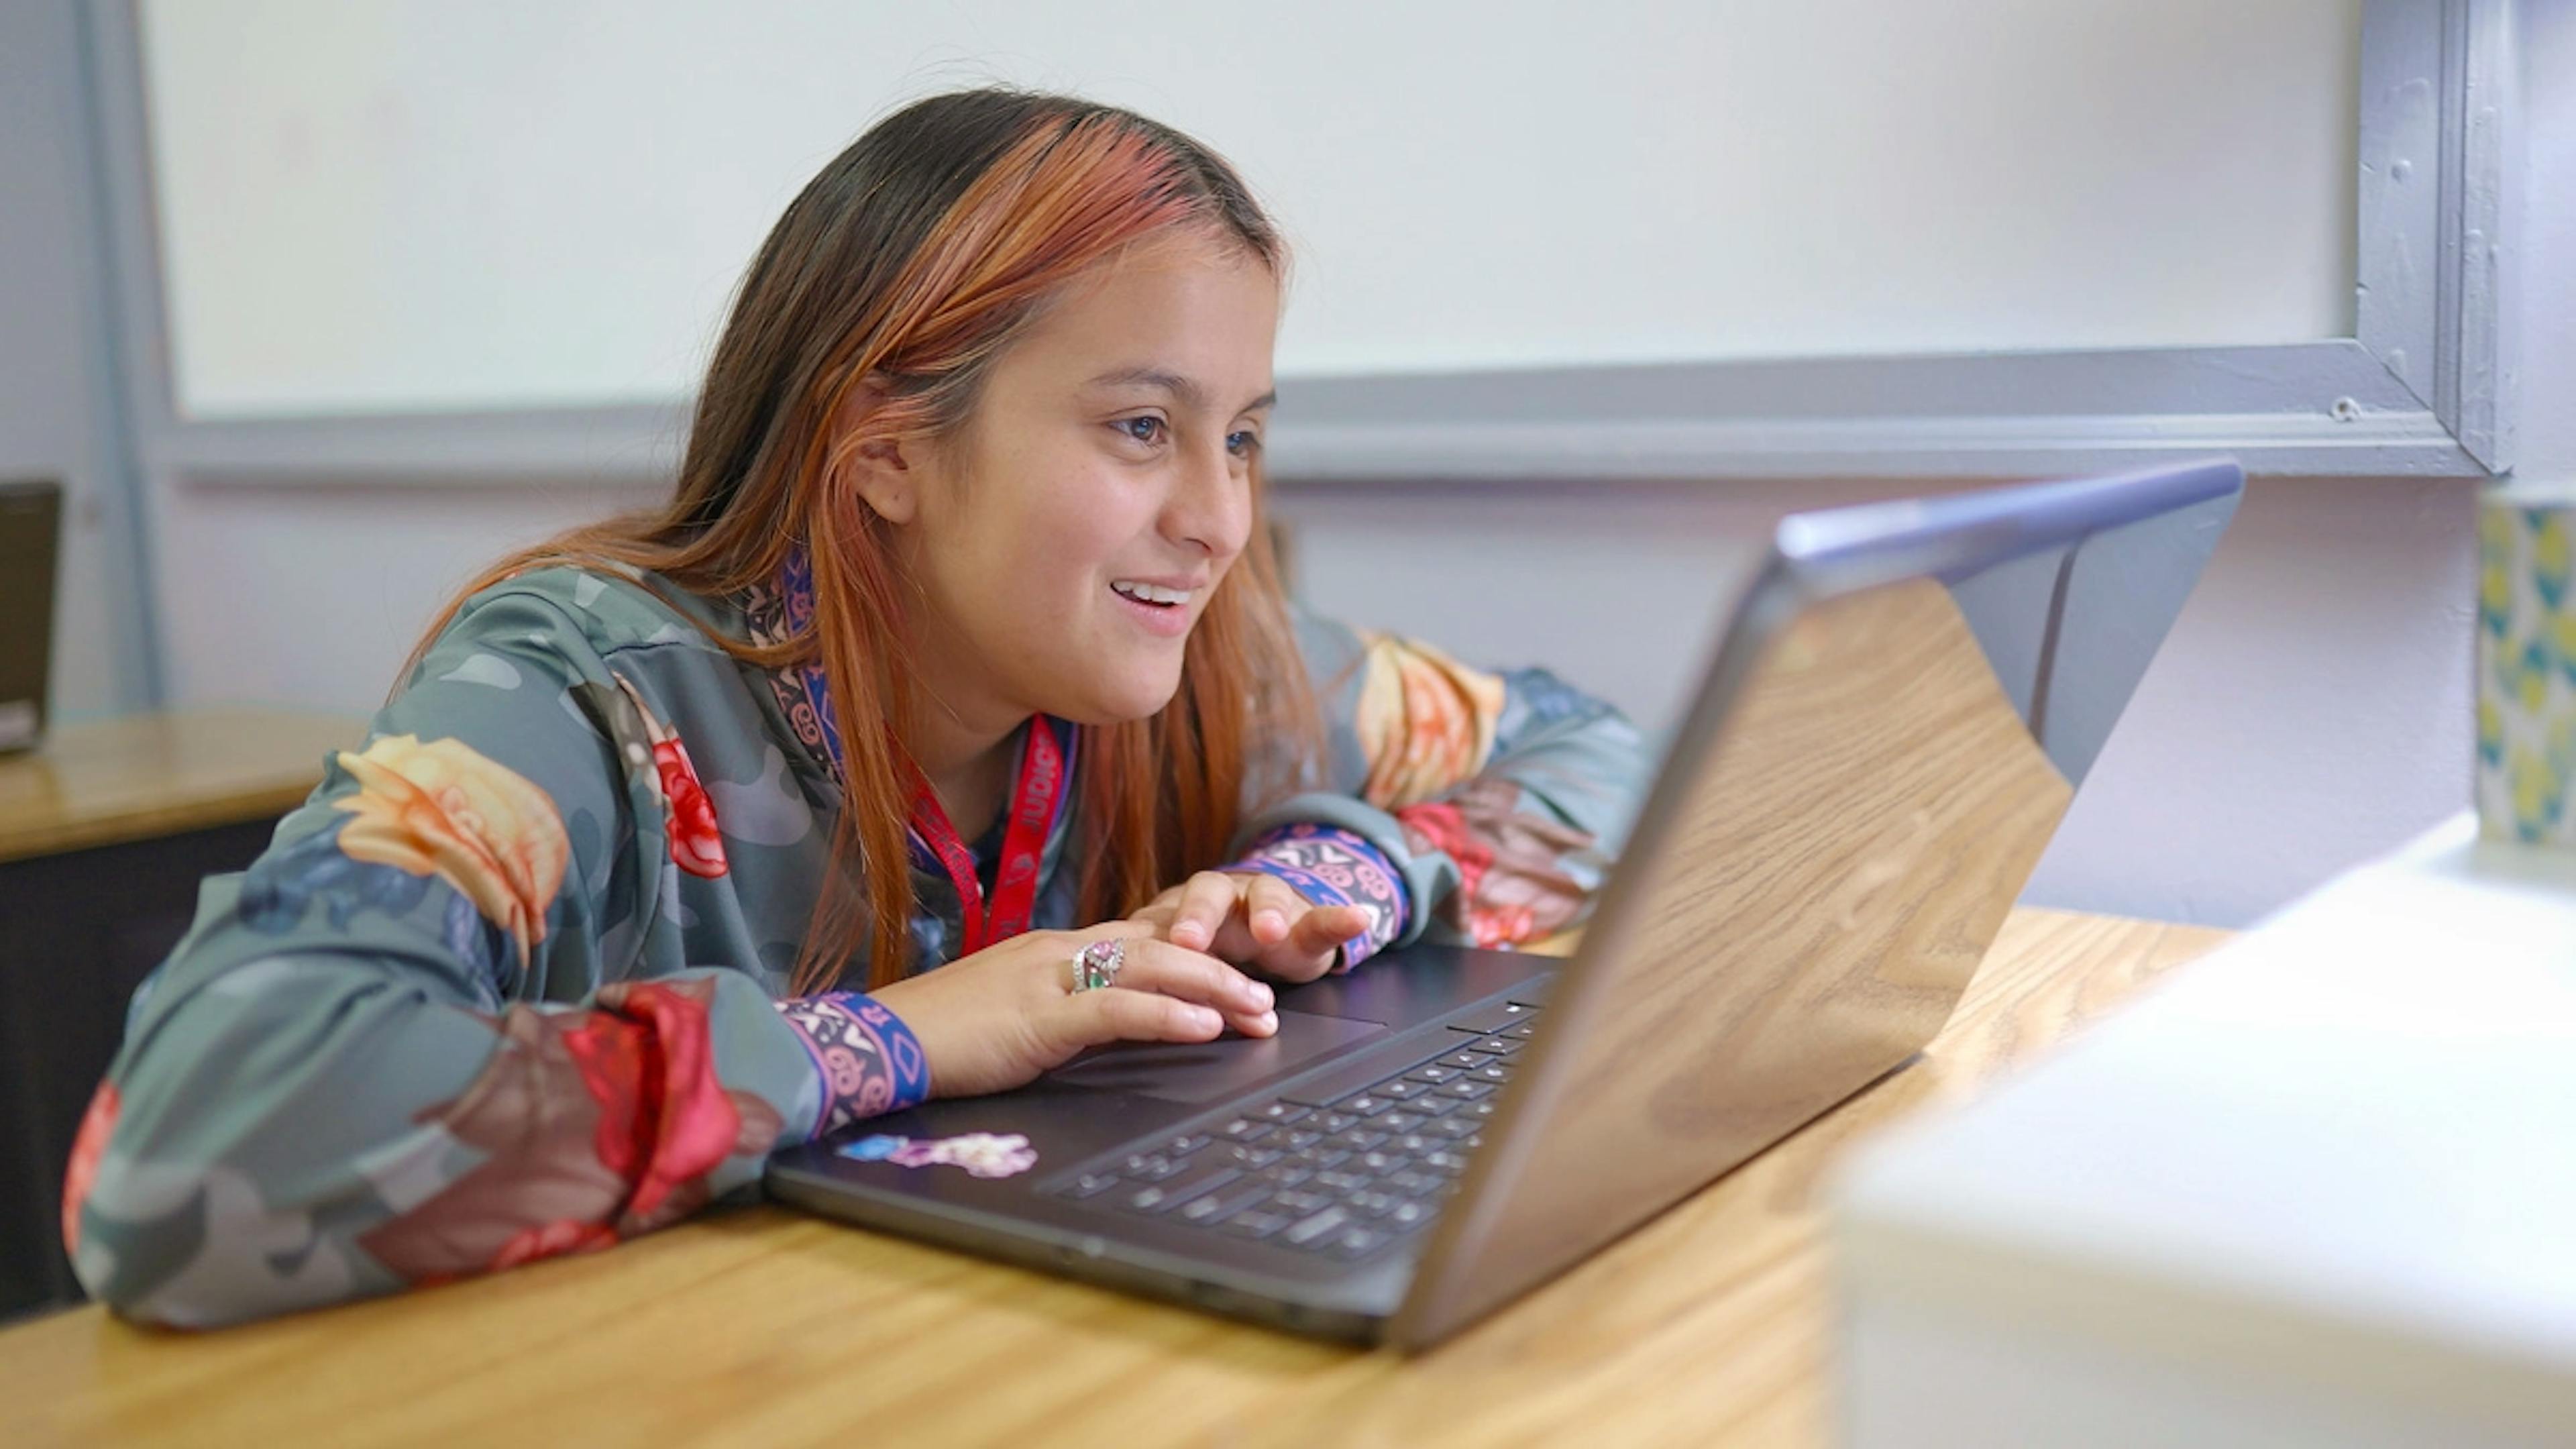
(1152, 596)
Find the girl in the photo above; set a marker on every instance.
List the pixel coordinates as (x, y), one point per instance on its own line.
(960, 632)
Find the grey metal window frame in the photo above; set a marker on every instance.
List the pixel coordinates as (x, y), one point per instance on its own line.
(2424, 387)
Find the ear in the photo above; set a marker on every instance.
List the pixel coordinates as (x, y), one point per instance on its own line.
(878, 470)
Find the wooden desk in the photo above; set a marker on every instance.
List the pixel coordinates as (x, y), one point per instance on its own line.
(156, 775)
(104, 834)
(760, 1326)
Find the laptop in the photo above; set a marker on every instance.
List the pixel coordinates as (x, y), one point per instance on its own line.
(1895, 718)
(30, 533)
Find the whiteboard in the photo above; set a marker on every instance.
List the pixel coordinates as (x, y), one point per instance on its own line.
(421, 205)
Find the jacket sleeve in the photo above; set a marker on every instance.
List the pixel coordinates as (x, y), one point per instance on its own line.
(1459, 806)
(403, 1047)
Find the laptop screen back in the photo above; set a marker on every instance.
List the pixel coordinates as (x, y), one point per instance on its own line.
(1896, 721)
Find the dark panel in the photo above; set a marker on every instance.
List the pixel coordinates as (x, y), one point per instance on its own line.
(78, 932)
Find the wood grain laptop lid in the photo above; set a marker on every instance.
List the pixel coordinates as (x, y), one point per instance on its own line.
(1893, 727)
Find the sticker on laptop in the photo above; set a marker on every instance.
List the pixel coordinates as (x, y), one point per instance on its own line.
(983, 1154)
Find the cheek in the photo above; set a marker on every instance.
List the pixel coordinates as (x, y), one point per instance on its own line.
(1072, 530)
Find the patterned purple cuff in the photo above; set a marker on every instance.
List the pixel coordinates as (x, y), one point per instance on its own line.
(1331, 866)
(869, 1061)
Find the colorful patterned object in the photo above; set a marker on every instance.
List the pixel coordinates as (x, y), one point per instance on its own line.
(2526, 666)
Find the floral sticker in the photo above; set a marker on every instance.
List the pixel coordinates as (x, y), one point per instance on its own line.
(984, 1154)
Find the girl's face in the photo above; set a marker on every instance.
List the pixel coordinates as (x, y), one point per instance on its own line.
(1068, 540)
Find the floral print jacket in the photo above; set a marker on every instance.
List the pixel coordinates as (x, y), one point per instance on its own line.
(513, 982)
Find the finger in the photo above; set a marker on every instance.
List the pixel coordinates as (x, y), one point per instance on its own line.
(1114, 1013)
(1207, 898)
(1314, 945)
(1274, 907)
(1177, 971)
(1323, 929)
(1128, 929)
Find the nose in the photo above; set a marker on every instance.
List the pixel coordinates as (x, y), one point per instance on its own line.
(1210, 506)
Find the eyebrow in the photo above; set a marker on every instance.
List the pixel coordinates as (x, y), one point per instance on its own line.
(1173, 383)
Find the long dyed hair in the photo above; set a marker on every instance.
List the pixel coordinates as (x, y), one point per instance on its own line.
(914, 260)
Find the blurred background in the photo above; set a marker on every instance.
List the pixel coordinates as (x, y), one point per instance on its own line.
(312, 306)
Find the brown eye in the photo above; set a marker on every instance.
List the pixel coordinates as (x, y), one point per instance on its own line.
(1243, 444)
(1151, 428)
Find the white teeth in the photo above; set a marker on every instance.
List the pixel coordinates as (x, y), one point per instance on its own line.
(1151, 593)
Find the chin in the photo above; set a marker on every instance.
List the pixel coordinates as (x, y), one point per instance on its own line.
(1108, 702)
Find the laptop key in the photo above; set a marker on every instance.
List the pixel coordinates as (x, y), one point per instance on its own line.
(1418, 1143)
(1376, 1204)
(1367, 1071)
(1342, 1181)
(1499, 1045)
(1322, 1156)
(1090, 1184)
(1414, 1183)
(1184, 1146)
(1399, 1090)
(1383, 1162)
(1365, 1105)
(1256, 1223)
(1300, 1140)
(1300, 1203)
(1217, 1207)
(1451, 1128)
(1408, 1215)
(1449, 1162)
(1254, 1156)
(1245, 1129)
(1467, 1089)
(1357, 1140)
(1399, 1123)
(1524, 1031)
(1284, 1113)
(1310, 1229)
(1432, 1075)
(1164, 1196)
(1465, 1061)
(1153, 1167)
(1498, 1074)
(1358, 1242)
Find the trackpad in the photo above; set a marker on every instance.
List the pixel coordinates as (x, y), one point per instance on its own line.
(1199, 1071)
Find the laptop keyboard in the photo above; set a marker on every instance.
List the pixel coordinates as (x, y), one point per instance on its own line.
(1338, 1166)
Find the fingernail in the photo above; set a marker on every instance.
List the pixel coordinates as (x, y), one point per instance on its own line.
(1261, 996)
(1269, 1021)
(1273, 921)
(1205, 1019)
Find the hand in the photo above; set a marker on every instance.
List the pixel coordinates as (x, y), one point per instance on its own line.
(1256, 920)
(995, 1019)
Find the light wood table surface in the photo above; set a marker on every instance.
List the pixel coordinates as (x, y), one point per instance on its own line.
(162, 774)
(1709, 1325)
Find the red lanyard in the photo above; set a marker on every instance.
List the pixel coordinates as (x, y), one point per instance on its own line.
(1034, 802)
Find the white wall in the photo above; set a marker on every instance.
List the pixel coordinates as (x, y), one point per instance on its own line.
(2311, 709)
(418, 203)
(57, 385)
